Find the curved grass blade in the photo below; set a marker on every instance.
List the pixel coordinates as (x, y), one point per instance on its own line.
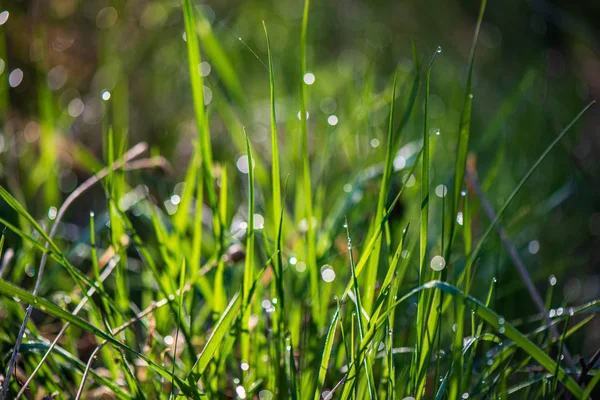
(48, 307)
(494, 320)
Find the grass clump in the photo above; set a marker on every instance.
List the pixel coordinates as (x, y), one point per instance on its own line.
(343, 272)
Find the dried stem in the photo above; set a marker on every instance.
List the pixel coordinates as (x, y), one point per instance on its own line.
(514, 256)
(132, 153)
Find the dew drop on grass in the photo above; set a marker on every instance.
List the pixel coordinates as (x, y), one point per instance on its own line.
(347, 189)
(375, 143)
(242, 164)
(465, 395)
(300, 115)
(29, 270)
(409, 181)
(332, 120)
(552, 313)
(409, 398)
(437, 132)
(559, 311)
(293, 260)
(244, 366)
(441, 190)
(437, 263)
(460, 218)
(399, 163)
(470, 95)
(105, 95)
(552, 280)
(169, 340)
(439, 49)
(327, 273)
(259, 221)
(309, 78)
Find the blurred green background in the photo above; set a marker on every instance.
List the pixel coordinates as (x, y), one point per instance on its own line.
(537, 65)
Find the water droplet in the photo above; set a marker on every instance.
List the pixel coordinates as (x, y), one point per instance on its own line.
(470, 95)
(332, 120)
(244, 366)
(501, 321)
(204, 68)
(571, 312)
(552, 280)
(399, 163)
(559, 311)
(534, 247)
(501, 330)
(35, 300)
(29, 270)
(242, 164)
(460, 218)
(92, 215)
(4, 17)
(409, 181)
(375, 143)
(327, 273)
(439, 49)
(441, 190)
(259, 221)
(552, 313)
(437, 132)
(293, 260)
(309, 78)
(241, 392)
(105, 95)
(52, 212)
(265, 304)
(15, 78)
(437, 263)
(465, 395)
(169, 340)
(300, 115)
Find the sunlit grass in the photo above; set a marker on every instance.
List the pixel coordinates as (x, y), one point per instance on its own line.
(359, 266)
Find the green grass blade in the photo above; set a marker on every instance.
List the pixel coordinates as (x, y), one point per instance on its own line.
(373, 264)
(48, 307)
(494, 320)
(311, 250)
(215, 338)
(327, 349)
(464, 132)
(516, 190)
(249, 263)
